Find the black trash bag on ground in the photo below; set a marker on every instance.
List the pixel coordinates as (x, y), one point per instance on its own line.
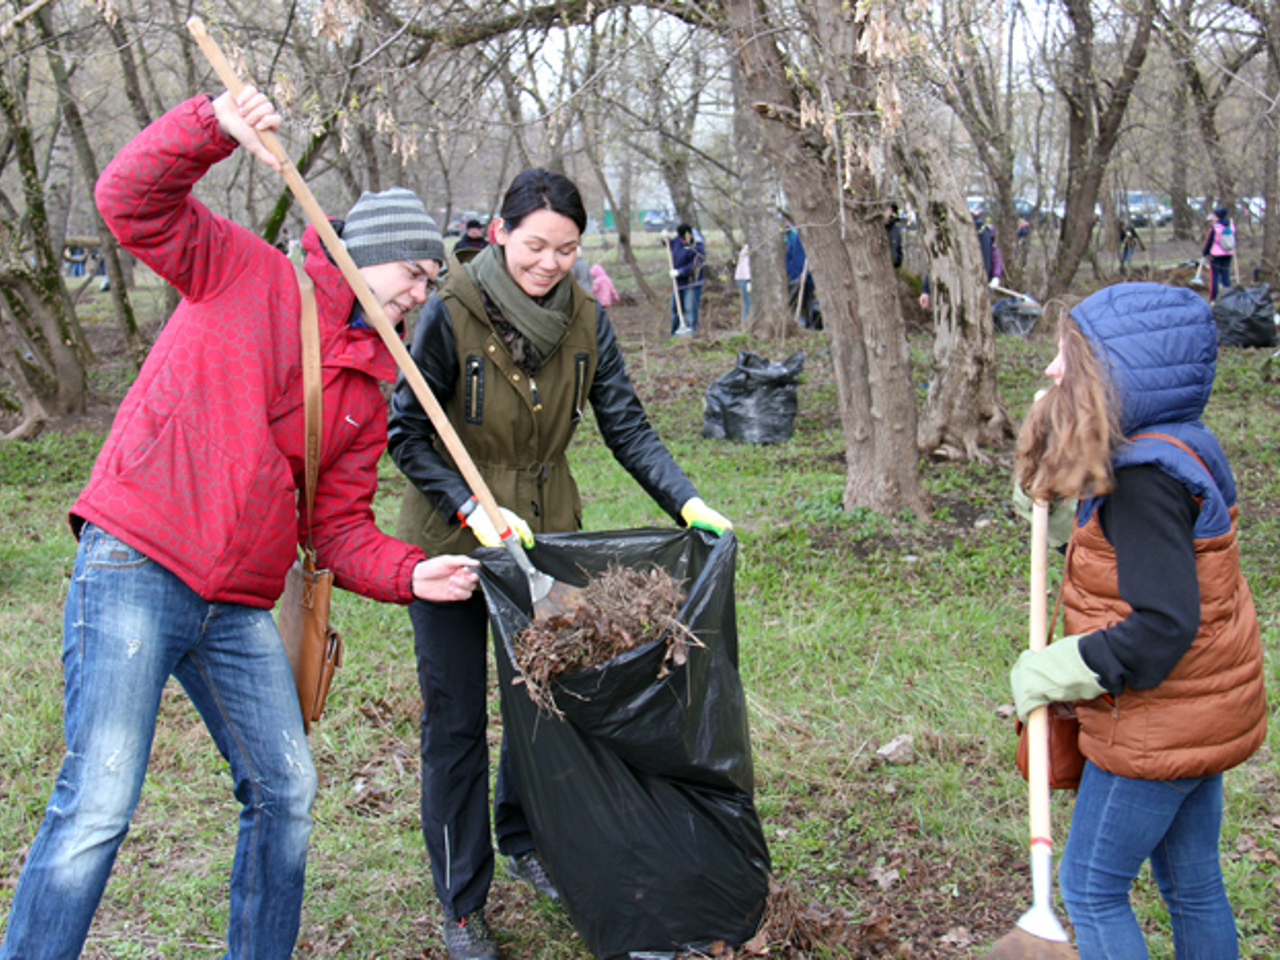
(1245, 317)
(755, 401)
(1015, 315)
(640, 797)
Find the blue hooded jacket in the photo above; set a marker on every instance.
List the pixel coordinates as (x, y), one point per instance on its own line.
(1159, 347)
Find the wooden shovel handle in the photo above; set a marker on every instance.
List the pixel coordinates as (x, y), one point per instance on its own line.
(1038, 721)
(372, 309)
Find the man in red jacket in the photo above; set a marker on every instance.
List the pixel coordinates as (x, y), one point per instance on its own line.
(190, 521)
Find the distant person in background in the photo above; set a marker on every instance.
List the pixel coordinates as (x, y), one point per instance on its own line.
(1220, 248)
(992, 262)
(742, 274)
(605, 292)
(472, 238)
(893, 226)
(688, 256)
(1129, 241)
(802, 292)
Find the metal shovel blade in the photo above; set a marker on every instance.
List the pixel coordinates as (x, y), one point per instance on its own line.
(551, 597)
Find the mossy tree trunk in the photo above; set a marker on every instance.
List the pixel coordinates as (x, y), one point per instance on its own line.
(31, 282)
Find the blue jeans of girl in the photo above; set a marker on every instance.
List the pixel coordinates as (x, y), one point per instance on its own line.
(1118, 823)
(129, 624)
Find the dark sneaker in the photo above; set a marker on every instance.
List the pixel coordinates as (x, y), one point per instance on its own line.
(469, 938)
(527, 868)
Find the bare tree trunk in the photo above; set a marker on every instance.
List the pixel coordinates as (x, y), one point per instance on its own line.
(963, 410)
(89, 170)
(1093, 127)
(769, 318)
(36, 294)
(34, 414)
(1271, 153)
(849, 253)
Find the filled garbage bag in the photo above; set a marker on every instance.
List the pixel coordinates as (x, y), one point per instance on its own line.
(1015, 315)
(755, 401)
(1245, 317)
(640, 796)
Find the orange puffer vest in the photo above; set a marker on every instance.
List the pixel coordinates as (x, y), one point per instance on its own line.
(1209, 714)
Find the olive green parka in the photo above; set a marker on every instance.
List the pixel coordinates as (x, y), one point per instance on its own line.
(516, 427)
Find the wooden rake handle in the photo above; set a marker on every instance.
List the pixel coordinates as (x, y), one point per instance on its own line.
(1038, 721)
(372, 309)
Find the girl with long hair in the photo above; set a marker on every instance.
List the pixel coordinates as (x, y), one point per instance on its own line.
(1163, 657)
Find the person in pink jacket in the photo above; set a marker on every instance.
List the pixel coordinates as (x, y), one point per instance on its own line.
(190, 522)
(602, 287)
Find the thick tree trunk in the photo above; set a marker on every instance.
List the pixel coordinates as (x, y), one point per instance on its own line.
(849, 254)
(963, 410)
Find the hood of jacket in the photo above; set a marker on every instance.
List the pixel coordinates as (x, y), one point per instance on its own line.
(1159, 346)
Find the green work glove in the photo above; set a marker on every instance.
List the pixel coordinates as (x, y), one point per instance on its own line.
(477, 518)
(1057, 672)
(1062, 514)
(697, 514)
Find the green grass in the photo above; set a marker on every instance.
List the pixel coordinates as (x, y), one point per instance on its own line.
(854, 629)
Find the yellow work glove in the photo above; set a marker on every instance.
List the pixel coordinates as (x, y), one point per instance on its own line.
(695, 513)
(477, 519)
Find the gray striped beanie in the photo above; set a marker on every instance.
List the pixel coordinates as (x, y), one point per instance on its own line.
(391, 225)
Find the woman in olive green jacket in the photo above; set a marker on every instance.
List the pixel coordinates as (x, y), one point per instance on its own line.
(513, 349)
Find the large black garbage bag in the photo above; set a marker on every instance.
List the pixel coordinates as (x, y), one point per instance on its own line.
(1015, 315)
(755, 401)
(1245, 317)
(640, 798)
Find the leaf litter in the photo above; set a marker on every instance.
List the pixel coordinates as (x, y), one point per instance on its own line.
(621, 609)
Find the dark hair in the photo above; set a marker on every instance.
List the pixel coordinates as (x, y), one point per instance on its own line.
(684, 230)
(474, 224)
(1221, 212)
(540, 189)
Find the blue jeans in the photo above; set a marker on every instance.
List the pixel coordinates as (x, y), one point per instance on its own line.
(1219, 275)
(690, 299)
(1118, 823)
(744, 287)
(128, 625)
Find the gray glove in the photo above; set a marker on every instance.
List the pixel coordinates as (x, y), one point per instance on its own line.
(1057, 672)
(1062, 514)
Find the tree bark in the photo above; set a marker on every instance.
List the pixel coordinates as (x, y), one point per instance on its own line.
(963, 410)
(1093, 127)
(848, 252)
(35, 293)
(89, 171)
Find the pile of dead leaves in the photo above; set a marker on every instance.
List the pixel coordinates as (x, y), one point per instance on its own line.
(621, 609)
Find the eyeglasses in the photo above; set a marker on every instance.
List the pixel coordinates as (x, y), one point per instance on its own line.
(418, 275)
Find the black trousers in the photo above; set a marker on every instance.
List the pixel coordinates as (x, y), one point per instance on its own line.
(451, 640)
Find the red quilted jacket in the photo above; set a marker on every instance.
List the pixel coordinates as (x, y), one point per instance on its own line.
(204, 462)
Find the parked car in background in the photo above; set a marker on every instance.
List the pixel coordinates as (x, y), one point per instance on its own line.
(1145, 209)
(655, 220)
